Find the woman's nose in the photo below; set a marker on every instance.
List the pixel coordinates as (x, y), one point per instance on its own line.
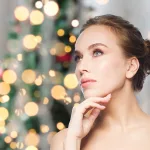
(83, 67)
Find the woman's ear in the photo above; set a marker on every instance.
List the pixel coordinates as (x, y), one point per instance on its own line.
(132, 67)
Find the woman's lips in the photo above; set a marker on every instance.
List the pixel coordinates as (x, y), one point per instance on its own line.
(87, 83)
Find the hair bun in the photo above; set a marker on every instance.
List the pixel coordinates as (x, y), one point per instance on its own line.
(147, 56)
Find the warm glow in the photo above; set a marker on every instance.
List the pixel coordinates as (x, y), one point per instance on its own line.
(31, 148)
(58, 92)
(21, 13)
(4, 99)
(4, 88)
(75, 23)
(29, 76)
(51, 8)
(3, 113)
(18, 112)
(60, 32)
(52, 51)
(60, 126)
(32, 139)
(36, 17)
(39, 4)
(7, 139)
(76, 97)
(60, 49)
(38, 38)
(76, 104)
(30, 42)
(38, 80)
(72, 39)
(45, 100)
(13, 134)
(52, 73)
(13, 145)
(9, 76)
(44, 128)
(102, 2)
(67, 100)
(70, 81)
(2, 123)
(22, 92)
(31, 109)
(20, 145)
(19, 57)
(67, 49)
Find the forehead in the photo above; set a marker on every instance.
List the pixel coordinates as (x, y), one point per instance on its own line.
(96, 34)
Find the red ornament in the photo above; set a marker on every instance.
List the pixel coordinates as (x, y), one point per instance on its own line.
(1, 73)
(66, 57)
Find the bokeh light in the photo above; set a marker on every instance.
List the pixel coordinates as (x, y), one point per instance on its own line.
(13, 145)
(38, 80)
(36, 17)
(13, 134)
(31, 148)
(60, 49)
(67, 49)
(3, 113)
(44, 128)
(60, 32)
(51, 8)
(70, 81)
(4, 99)
(4, 88)
(45, 100)
(28, 76)
(7, 139)
(38, 4)
(52, 73)
(102, 2)
(31, 109)
(21, 13)
(9, 76)
(72, 39)
(19, 57)
(30, 42)
(60, 126)
(20, 145)
(76, 97)
(75, 23)
(58, 92)
(32, 138)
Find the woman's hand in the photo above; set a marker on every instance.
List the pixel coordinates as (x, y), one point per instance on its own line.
(80, 125)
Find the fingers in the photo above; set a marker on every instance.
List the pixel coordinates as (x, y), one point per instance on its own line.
(91, 102)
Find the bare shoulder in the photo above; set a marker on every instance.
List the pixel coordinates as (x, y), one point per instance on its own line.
(58, 139)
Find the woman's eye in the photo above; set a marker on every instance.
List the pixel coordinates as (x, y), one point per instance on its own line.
(97, 52)
(76, 58)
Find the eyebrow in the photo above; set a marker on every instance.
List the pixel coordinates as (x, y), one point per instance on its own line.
(91, 47)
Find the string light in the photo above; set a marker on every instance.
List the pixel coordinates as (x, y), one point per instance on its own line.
(38, 4)
(70, 81)
(36, 17)
(51, 8)
(75, 23)
(21, 13)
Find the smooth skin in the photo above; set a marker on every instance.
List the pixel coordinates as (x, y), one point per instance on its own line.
(116, 121)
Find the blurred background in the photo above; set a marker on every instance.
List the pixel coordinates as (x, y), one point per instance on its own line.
(38, 87)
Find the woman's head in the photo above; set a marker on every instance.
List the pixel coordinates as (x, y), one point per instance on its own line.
(122, 58)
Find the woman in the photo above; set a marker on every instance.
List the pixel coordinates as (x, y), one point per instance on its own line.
(112, 61)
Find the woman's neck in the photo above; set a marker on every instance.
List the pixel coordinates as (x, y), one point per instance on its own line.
(122, 112)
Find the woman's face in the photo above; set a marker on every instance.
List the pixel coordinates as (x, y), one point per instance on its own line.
(99, 58)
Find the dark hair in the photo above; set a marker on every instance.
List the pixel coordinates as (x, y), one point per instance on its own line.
(130, 40)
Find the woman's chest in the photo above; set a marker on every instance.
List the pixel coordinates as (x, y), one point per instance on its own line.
(117, 142)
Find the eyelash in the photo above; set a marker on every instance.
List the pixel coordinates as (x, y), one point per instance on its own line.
(96, 50)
